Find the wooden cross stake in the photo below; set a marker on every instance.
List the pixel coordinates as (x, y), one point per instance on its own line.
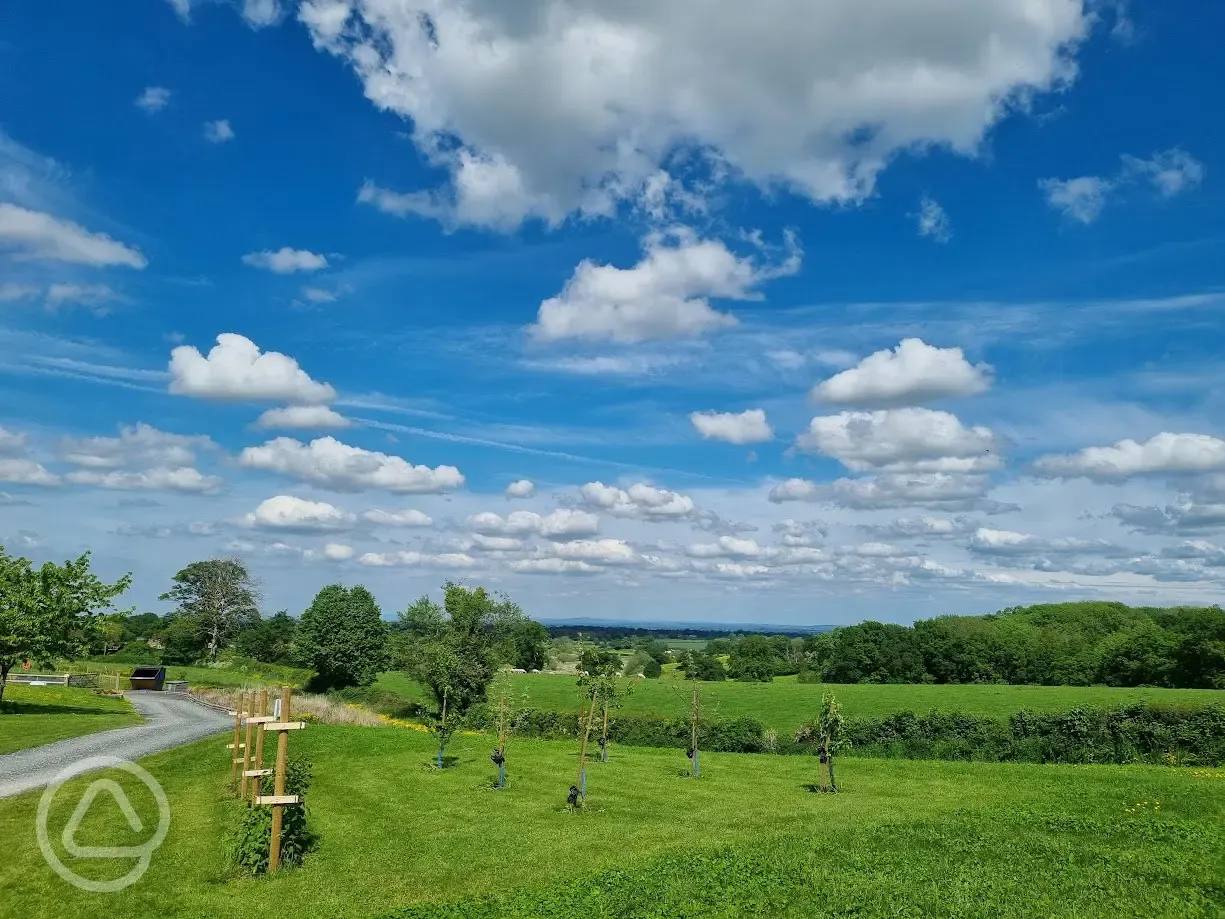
(236, 745)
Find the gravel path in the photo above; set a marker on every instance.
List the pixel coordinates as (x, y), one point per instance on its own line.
(169, 722)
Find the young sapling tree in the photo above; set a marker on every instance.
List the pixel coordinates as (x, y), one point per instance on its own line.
(504, 724)
(831, 737)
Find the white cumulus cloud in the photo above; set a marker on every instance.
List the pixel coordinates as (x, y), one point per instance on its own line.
(286, 260)
(640, 500)
(748, 427)
(912, 373)
(236, 370)
(902, 440)
(306, 417)
(523, 488)
(1164, 453)
(666, 295)
(328, 463)
(291, 514)
(563, 106)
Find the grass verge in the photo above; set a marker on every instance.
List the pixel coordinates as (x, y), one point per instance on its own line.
(36, 715)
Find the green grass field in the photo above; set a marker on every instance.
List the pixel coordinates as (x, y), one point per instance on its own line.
(784, 704)
(747, 838)
(35, 715)
(233, 673)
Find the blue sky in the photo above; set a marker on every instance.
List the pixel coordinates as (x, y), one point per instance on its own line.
(824, 312)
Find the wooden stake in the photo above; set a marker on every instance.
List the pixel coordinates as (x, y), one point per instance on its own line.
(246, 747)
(442, 730)
(237, 739)
(278, 810)
(258, 763)
(697, 714)
(582, 753)
(604, 736)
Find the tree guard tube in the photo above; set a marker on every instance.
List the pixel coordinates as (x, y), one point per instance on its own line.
(499, 760)
(603, 742)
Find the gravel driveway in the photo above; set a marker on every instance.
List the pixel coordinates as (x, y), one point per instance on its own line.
(169, 722)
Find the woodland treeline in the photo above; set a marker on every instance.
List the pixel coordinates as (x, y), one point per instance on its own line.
(1064, 644)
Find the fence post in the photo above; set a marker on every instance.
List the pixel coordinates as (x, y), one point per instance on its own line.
(282, 756)
(237, 744)
(246, 747)
(259, 744)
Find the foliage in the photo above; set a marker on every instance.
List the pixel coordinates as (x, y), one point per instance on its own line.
(872, 652)
(530, 641)
(49, 612)
(753, 659)
(140, 626)
(456, 656)
(651, 670)
(218, 596)
(1133, 734)
(594, 661)
(1074, 644)
(183, 639)
(342, 637)
(134, 652)
(703, 666)
(269, 640)
(251, 837)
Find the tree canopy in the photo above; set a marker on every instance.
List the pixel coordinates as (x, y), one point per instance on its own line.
(342, 637)
(456, 649)
(50, 611)
(218, 597)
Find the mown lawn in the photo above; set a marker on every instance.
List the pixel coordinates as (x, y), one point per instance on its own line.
(903, 839)
(36, 715)
(784, 704)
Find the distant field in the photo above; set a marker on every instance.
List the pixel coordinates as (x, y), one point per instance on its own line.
(36, 715)
(785, 704)
(903, 839)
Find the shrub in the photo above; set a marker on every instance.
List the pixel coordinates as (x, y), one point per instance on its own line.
(251, 838)
(1140, 733)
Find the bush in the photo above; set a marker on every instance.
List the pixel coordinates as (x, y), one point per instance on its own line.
(134, 652)
(251, 838)
(1140, 733)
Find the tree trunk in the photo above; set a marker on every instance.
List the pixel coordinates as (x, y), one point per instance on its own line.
(833, 783)
(4, 678)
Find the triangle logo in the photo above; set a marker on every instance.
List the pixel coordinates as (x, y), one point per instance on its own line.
(111, 787)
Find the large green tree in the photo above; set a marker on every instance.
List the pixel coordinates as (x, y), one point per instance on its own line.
(342, 637)
(455, 650)
(219, 596)
(49, 612)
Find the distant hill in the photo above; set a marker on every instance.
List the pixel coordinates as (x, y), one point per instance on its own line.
(674, 629)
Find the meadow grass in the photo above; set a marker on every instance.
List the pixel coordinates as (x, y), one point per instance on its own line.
(785, 703)
(36, 715)
(747, 838)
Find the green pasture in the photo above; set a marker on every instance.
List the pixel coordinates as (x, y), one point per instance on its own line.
(34, 715)
(748, 837)
(785, 703)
